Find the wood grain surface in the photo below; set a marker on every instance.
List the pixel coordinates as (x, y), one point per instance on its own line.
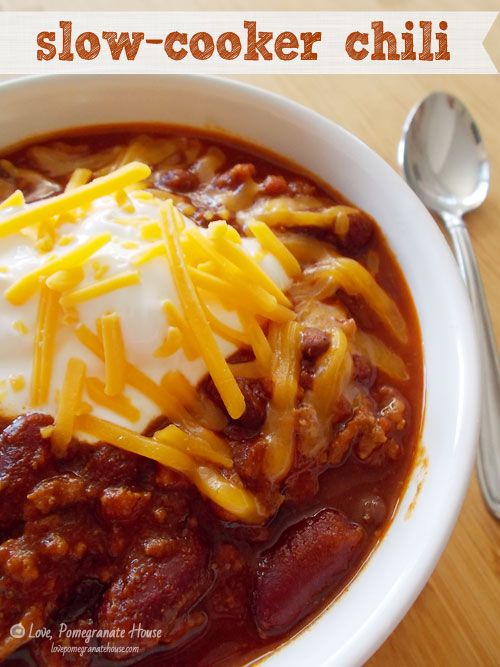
(456, 619)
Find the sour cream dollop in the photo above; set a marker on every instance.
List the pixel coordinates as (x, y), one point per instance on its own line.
(143, 321)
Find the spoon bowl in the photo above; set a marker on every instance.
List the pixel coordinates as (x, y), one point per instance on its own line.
(443, 157)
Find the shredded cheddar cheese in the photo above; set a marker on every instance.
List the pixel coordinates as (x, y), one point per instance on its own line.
(176, 383)
(99, 269)
(236, 276)
(66, 239)
(188, 339)
(80, 196)
(155, 250)
(232, 497)
(332, 375)
(352, 276)
(150, 231)
(135, 443)
(380, 355)
(279, 425)
(66, 279)
(171, 343)
(206, 413)
(134, 377)
(120, 280)
(270, 242)
(342, 224)
(195, 315)
(15, 199)
(248, 369)
(120, 404)
(283, 211)
(250, 269)
(223, 330)
(114, 354)
(194, 445)
(79, 177)
(256, 300)
(257, 340)
(168, 403)
(70, 397)
(20, 291)
(43, 352)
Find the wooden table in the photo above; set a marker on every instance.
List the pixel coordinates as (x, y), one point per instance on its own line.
(456, 619)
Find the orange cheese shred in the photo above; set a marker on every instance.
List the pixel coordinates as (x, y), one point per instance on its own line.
(130, 441)
(188, 339)
(114, 354)
(331, 376)
(279, 426)
(257, 340)
(271, 243)
(248, 266)
(121, 405)
(118, 281)
(70, 397)
(44, 344)
(80, 196)
(193, 311)
(169, 405)
(350, 275)
(194, 445)
(20, 291)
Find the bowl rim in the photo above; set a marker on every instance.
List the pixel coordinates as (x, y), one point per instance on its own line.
(389, 611)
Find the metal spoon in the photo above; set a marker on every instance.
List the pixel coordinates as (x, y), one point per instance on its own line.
(444, 161)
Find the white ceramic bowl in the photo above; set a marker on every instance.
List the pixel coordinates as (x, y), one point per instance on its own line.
(352, 628)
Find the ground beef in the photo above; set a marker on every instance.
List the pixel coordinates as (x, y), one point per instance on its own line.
(235, 176)
(373, 431)
(362, 431)
(155, 590)
(175, 180)
(248, 456)
(363, 371)
(40, 567)
(121, 503)
(110, 465)
(301, 187)
(274, 186)
(393, 407)
(307, 373)
(310, 432)
(55, 493)
(233, 574)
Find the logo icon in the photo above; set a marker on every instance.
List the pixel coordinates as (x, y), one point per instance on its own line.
(17, 631)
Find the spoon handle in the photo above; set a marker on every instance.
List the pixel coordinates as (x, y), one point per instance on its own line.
(489, 441)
